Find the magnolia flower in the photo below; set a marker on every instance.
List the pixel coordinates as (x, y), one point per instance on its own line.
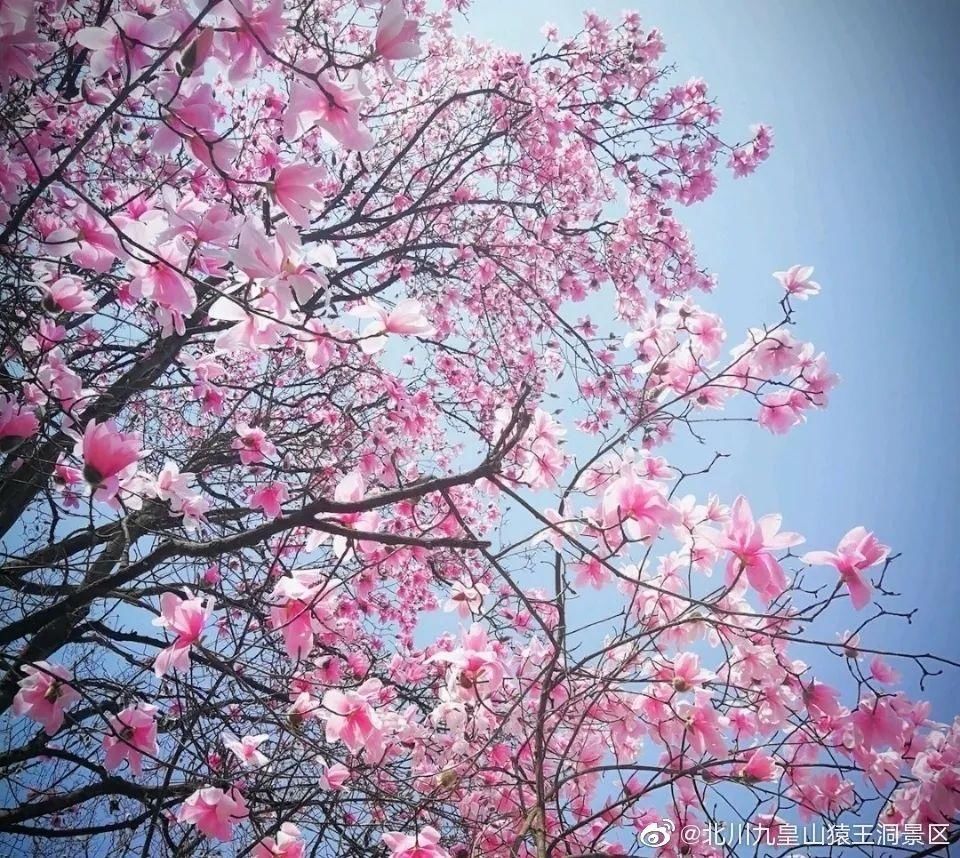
(406, 319)
(46, 337)
(352, 720)
(782, 410)
(303, 707)
(466, 599)
(751, 544)
(335, 108)
(44, 694)
(398, 37)
(122, 44)
(245, 749)
(132, 733)
(186, 618)
(193, 508)
(294, 188)
(162, 283)
(637, 507)
(254, 33)
(250, 331)
(478, 668)
(214, 811)
(287, 844)
(883, 672)
(703, 725)
(90, 243)
(796, 280)
(685, 673)
(108, 455)
(758, 767)
(252, 444)
(858, 550)
(16, 423)
(173, 486)
(67, 294)
(301, 606)
(425, 844)
(333, 777)
(270, 498)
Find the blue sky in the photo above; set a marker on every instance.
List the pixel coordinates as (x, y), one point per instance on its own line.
(861, 185)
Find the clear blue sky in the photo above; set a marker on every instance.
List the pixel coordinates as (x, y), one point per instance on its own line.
(862, 184)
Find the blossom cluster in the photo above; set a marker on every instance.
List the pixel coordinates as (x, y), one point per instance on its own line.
(322, 321)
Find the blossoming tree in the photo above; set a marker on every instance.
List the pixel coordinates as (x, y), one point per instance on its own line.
(341, 357)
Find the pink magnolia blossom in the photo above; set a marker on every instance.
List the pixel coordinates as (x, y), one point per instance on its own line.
(294, 619)
(186, 619)
(796, 280)
(246, 749)
(108, 454)
(334, 777)
(758, 767)
(751, 544)
(193, 508)
(637, 506)
(287, 844)
(398, 37)
(253, 444)
(67, 294)
(90, 242)
(286, 274)
(350, 490)
(351, 719)
(64, 385)
(302, 605)
(406, 319)
(883, 672)
(198, 52)
(255, 32)
(190, 120)
(172, 486)
(270, 498)
(858, 550)
(877, 723)
(591, 572)
(47, 335)
(132, 733)
(782, 410)
(250, 331)
(333, 107)
(821, 699)
(703, 726)
(200, 224)
(540, 455)
(214, 812)
(45, 692)
(295, 189)
(303, 707)
(424, 844)
(685, 673)
(22, 49)
(121, 44)
(478, 669)
(466, 599)
(168, 288)
(17, 423)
